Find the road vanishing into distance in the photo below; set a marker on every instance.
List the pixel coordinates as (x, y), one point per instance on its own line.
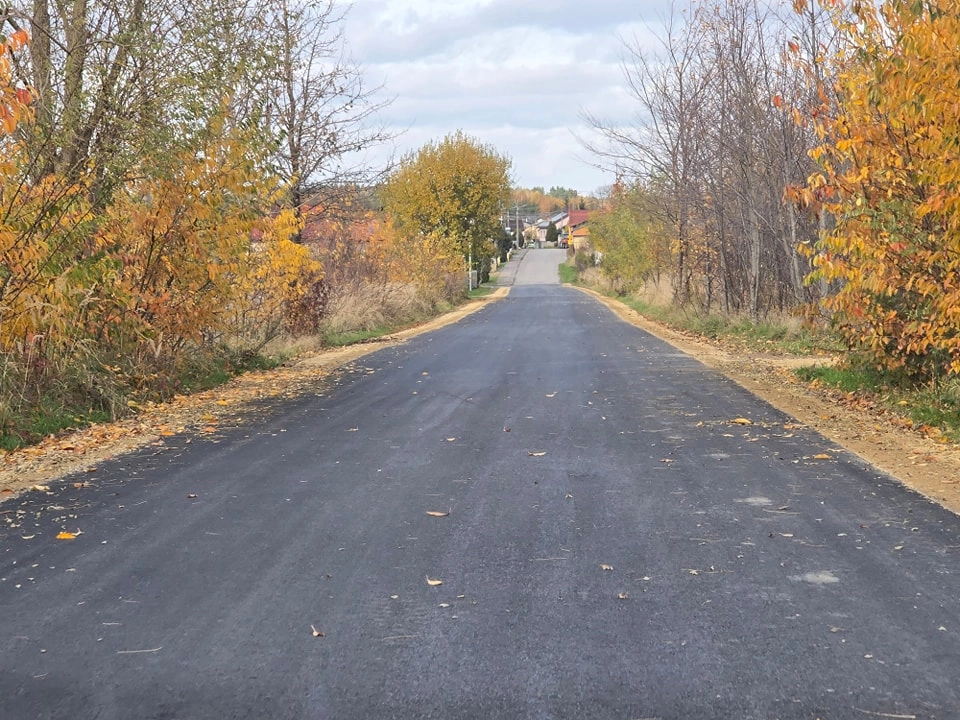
(610, 538)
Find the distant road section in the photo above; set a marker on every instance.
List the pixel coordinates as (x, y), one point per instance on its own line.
(539, 267)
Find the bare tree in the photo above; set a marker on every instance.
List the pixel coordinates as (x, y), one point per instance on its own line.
(663, 145)
(321, 109)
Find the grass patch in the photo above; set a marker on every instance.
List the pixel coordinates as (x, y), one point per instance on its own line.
(781, 335)
(96, 392)
(932, 405)
(47, 418)
(218, 368)
(569, 274)
(352, 337)
(482, 291)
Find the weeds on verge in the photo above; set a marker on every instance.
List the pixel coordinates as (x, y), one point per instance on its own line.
(930, 407)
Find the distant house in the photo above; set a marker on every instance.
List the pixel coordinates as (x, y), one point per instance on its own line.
(580, 238)
(560, 219)
(577, 233)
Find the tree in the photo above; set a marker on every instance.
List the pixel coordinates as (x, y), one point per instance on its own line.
(447, 197)
(714, 148)
(889, 176)
(553, 234)
(631, 242)
(320, 107)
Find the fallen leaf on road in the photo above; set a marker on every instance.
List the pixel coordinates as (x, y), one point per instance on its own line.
(539, 453)
(40, 488)
(209, 429)
(316, 633)
(693, 572)
(550, 395)
(604, 566)
(622, 596)
(192, 496)
(568, 496)
(67, 535)
(741, 421)
(444, 605)
(821, 456)
(451, 439)
(432, 582)
(352, 429)
(438, 513)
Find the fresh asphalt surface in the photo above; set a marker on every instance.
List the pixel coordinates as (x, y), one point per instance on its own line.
(615, 548)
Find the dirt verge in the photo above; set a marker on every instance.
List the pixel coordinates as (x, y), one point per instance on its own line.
(929, 466)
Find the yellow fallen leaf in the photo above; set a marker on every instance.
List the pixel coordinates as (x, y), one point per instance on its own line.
(437, 513)
(740, 421)
(539, 453)
(821, 456)
(167, 433)
(604, 566)
(209, 429)
(66, 536)
(433, 583)
(223, 402)
(40, 488)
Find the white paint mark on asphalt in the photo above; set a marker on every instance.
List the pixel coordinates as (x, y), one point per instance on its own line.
(824, 577)
(757, 500)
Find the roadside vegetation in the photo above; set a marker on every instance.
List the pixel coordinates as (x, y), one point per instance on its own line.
(179, 208)
(787, 191)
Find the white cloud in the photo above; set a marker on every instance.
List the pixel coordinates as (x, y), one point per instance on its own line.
(516, 74)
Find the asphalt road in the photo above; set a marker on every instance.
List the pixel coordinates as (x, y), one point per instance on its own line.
(615, 547)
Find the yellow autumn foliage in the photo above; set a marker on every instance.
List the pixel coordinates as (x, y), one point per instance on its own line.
(890, 179)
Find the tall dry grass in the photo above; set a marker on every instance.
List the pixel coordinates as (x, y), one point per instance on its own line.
(368, 306)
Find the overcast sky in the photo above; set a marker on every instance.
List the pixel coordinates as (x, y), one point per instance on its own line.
(514, 74)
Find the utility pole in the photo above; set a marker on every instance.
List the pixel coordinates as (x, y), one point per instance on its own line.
(517, 229)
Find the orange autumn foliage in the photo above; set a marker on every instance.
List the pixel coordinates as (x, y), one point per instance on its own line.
(889, 178)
